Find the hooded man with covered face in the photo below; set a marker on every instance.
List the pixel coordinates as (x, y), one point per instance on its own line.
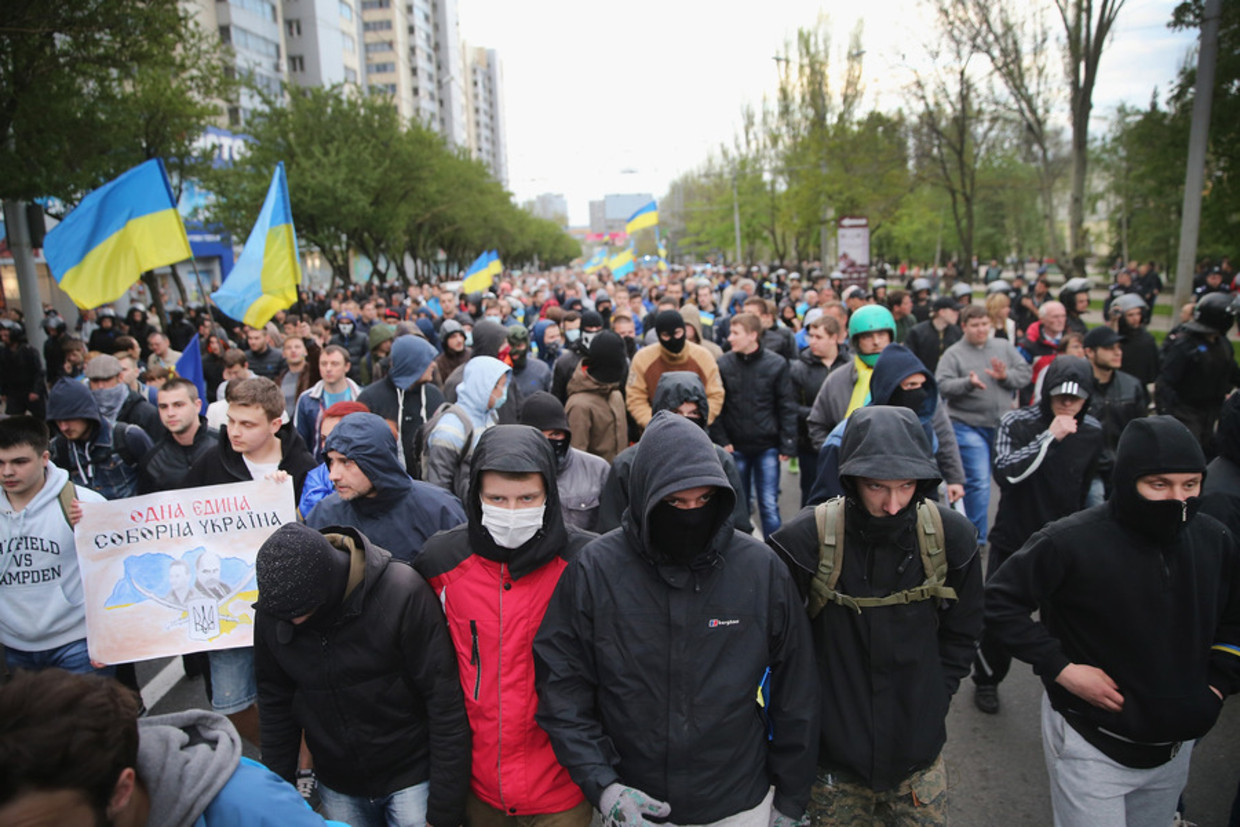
(351, 651)
(406, 397)
(655, 641)
(579, 475)
(892, 641)
(1138, 636)
(1046, 457)
(672, 352)
(494, 577)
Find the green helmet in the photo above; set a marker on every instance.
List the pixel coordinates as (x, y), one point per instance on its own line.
(868, 319)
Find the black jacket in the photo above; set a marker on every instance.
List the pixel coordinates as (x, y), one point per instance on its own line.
(887, 674)
(781, 341)
(647, 669)
(1149, 592)
(138, 411)
(373, 684)
(165, 466)
(759, 411)
(221, 464)
(1140, 353)
(1114, 405)
(1197, 372)
(807, 373)
(928, 344)
(1041, 479)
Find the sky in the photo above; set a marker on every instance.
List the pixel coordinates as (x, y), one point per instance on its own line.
(619, 98)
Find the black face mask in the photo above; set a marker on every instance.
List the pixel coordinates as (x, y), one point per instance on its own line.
(551, 351)
(681, 534)
(561, 447)
(911, 399)
(630, 346)
(674, 344)
(518, 358)
(1159, 520)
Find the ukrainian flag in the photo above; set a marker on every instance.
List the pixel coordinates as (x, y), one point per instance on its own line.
(496, 266)
(596, 262)
(124, 228)
(266, 276)
(647, 216)
(621, 264)
(479, 275)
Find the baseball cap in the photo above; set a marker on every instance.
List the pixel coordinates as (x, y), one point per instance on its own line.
(1070, 388)
(1101, 336)
(945, 303)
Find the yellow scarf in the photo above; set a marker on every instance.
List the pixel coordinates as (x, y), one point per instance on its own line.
(861, 390)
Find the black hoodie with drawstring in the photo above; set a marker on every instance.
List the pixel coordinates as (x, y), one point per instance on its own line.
(648, 663)
(1147, 591)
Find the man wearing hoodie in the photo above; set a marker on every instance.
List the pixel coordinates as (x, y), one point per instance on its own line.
(380, 338)
(255, 444)
(528, 375)
(352, 654)
(375, 495)
(888, 670)
(576, 349)
(98, 453)
(672, 352)
(1046, 458)
(489, 339)
(654, 644)
(406, 397)
(494, 577)
(680, 392)
(1138, 637)
(595, 407)
(455, 352)
(579, 475)
(42, 611)
(979, 376)
(74, 751)
(355, 343)
(456, 430)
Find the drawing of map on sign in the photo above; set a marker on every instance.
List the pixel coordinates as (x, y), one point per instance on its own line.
(171, 573)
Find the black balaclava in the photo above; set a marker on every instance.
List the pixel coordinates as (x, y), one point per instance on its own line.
(668, 322)
(911, 399)
(1154, 445)
(545, 412)
(300, 572)
(681, 534)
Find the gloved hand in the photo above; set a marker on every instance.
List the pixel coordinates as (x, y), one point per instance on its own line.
(623, 806)
(778, 819)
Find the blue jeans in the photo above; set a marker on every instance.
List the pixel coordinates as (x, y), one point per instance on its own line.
(72, 657)
(403, 808)
(760, 472)
(233, 685)
(975, 446)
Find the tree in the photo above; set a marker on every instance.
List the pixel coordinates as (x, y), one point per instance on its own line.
(1087, 26)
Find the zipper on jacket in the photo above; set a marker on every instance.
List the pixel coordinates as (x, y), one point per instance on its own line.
(499, 706)
(475, 660)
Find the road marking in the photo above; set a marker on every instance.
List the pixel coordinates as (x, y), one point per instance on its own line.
(159, 686)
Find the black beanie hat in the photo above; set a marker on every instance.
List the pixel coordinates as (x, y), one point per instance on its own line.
(591, 320)
(668, 321)
(543, 411)
(607, 357)
(296, 569)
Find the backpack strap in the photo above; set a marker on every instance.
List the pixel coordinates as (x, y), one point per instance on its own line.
(68, 493)
(829, 517)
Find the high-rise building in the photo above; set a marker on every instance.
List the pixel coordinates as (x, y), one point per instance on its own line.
(486, 113)
(323, 39)
(552, 206)
(255, 31)
(385, 45)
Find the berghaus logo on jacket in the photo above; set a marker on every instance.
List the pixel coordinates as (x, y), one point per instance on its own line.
(715, 623)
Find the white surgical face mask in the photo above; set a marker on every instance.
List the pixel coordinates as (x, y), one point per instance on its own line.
(512, 527)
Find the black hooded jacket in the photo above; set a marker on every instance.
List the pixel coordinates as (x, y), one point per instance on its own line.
(372, 683)
(674, 389)
(1220, 496)
(403, 513)
(1147, 591)
(888, 673)
(1041, 478)
(647, 668)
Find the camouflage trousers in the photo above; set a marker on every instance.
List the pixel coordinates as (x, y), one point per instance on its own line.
(919, 801)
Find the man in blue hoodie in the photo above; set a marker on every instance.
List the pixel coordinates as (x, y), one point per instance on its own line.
(376, 496)
(97, 453)
(406, 397)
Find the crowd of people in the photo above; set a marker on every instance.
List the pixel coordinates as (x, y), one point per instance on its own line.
(540, 572)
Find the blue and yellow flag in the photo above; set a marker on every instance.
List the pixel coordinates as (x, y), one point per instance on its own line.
(479, 276)
(621, 264)
(124, 228)
(596, 261)
(266, 276)
(189, 366)
(647, 216)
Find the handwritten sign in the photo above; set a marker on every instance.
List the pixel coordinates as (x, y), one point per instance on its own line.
(171, 573)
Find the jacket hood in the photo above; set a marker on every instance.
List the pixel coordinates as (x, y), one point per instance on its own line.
(1152, 445)
(379, 334)
(474, 392)
(489, 337)
(521, 449)
(886, 443)
(674, 454)
(894, 365)
(538, 332)
(583, 381)
(677, 387)
(367, 439)
(1228, 437)
(692, 316)
(185, 759)
(410, 358)
(1064, 368)
(72, 400)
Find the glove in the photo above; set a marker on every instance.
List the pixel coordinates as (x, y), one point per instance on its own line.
(623, 806)
(778, 819)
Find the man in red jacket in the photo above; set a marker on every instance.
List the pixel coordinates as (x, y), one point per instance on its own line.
(494, 576)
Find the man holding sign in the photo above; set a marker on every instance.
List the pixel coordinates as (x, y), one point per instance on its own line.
(42, 616)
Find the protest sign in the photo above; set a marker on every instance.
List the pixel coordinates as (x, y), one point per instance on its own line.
(171, 573)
